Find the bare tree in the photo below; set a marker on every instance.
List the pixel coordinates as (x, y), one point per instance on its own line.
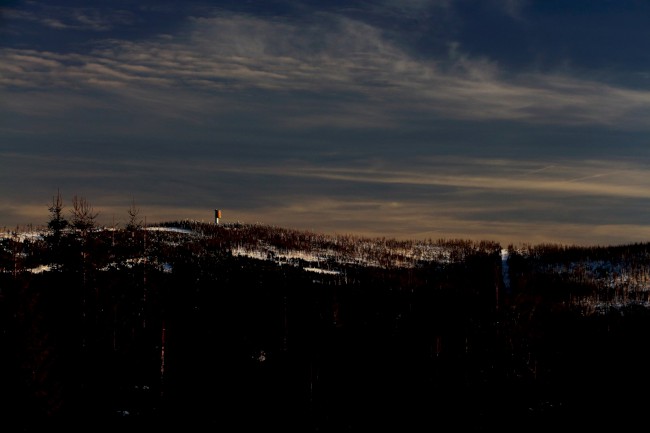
(83, 214)
(134, 222)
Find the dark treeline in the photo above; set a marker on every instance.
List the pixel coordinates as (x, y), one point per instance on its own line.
(144, 328)
(593, 278)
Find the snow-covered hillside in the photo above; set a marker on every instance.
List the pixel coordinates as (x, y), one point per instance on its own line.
(168, 322)
(616, 276)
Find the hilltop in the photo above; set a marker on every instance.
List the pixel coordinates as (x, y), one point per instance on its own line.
(207, 324)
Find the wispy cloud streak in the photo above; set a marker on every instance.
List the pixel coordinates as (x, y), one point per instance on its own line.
(626, 181)
(67, 18)
(236, 53)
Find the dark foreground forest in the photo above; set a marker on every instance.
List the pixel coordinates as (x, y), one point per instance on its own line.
(236, 327)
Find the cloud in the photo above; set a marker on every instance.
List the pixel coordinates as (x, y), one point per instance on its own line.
(512, 8)
(569, 178)
(70, 18)
(497, 199)
(226, 54)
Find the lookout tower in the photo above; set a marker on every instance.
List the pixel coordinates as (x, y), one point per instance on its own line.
(217, 215)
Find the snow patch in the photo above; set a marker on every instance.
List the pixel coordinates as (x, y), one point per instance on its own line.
(322, 271)
(170, 229)
(40, 269)
(505, 272)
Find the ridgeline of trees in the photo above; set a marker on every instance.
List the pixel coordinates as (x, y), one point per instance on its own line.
(144, 327)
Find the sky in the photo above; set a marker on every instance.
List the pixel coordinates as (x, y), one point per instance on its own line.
(516, 121)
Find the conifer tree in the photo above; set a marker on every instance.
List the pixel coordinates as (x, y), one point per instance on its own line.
(57, 222)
